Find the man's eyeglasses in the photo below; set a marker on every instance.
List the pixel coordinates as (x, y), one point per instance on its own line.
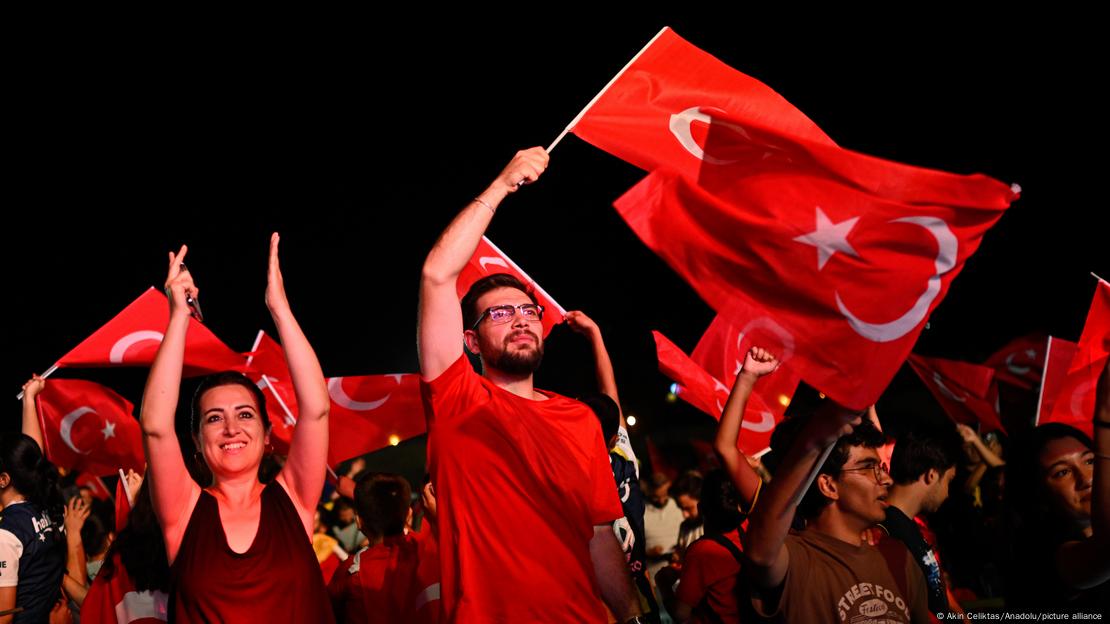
(499, 314)
(879, 469)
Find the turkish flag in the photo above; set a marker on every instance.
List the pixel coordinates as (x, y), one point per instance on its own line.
(133, 336)
(95, 484)
(1020, 362)
(1094, 342)
(851, 268)
(703, 391)
(488, 260)
(268, 370)
(368, 411)
(89, 428)
(1065, 397)
(657, 112)
(1072, 371)
(964, 390)
(722, 349)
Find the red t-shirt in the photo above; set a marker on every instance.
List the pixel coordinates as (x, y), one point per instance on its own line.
(381, 584)
(709, 573)
(520, 485)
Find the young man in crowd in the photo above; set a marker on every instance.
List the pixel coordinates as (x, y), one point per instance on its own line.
(525, 492)
(923, 466)
(825, 572)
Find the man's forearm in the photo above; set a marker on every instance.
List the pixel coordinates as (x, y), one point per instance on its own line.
(613, 578)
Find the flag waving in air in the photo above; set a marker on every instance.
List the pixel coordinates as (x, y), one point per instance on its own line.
(1072, 370)
(133, 336)
(700, 389)
(962, 389)
(89, 428)
(488, 260)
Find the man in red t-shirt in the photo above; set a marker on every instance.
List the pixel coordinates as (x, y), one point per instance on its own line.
(525, 494)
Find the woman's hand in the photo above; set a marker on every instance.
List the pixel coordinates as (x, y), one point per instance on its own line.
(275, 284)
(179, 285)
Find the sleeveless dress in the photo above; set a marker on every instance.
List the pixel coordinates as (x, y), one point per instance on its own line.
(276, 580)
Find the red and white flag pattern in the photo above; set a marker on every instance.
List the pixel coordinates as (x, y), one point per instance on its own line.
(657, 112)
(89, 428)
(722, 349)
(703, 391)
(367, 412)
(1072, 370)
(269, 371)
(488, 260)
(964, 390)
(1020, 362)
(370, 412)
(133, 336)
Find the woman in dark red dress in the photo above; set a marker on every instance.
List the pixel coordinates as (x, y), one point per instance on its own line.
(239, 550)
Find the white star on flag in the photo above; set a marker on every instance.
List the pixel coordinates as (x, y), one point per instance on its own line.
(829, 238)
(109, 430)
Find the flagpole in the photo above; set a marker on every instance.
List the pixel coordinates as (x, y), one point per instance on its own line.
(290, 419)
(1094, 275)
(800, 494)
(49, 371)
(575, 121)
(1040, 391)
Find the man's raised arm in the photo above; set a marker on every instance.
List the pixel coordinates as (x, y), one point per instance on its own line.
(439, 333)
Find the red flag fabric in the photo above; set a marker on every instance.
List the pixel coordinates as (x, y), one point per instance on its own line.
(964, 390)
(1094, 343)
(268, 369)
(1070, 391)
(850, 273)
(368, 411)
(658, 111)
(1020, 362)
(89, 428)
(1072, 371)
(487, 260)
(722, 349)
(95, 484)
(700, 389)
(133, 336)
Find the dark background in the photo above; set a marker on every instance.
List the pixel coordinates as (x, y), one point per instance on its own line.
(358, 138)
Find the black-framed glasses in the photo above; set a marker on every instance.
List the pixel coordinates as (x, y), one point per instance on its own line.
(499, 314)
(879, 468)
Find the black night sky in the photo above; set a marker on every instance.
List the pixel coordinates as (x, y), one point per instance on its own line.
(360, 140)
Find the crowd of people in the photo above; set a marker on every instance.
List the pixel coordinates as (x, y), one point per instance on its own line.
(535, 508)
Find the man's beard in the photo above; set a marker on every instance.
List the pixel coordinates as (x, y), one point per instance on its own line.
(517, 361)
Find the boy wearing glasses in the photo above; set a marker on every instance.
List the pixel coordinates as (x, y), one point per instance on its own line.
(826, 572)
(525, 495)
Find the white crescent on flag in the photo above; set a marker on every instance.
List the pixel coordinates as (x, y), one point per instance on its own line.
(66, 428)
(119, 349)
(947, 248)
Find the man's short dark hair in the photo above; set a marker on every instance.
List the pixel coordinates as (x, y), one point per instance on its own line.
(864, 434)
(918, 451)
(382, 501)
(469, 303)
(607, 411)
(688, 483)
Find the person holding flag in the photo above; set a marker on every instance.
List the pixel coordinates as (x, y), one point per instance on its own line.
(239, 550)
(525, 492)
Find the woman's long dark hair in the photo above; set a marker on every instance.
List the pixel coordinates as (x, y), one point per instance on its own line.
(32, 475)
(141, 548)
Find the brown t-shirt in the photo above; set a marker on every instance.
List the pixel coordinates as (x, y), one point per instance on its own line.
(830, 580)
